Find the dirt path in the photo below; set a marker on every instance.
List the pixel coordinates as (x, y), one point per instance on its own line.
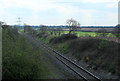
(59, 70)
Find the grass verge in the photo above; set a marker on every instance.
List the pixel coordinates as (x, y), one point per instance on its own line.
(20, 60)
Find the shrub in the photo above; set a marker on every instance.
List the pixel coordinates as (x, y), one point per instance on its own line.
(102, 53)
(101, 33)
(116, 31)
(84, 44)
(62, 38)
(102, 44)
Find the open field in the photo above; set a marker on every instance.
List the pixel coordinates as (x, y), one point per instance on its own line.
(96, 29)
(80, 34)
(87, 34)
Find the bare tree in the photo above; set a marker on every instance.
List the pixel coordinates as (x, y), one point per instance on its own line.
(73, 25)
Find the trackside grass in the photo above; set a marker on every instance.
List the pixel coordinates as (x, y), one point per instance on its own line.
(21, 59)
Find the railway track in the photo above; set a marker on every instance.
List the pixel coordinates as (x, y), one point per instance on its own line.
(78, 70)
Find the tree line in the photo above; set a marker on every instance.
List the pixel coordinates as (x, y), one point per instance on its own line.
(72, 25)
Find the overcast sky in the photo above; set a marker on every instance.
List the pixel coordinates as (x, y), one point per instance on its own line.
(56, 12)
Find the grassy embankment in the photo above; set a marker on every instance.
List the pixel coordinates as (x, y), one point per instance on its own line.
(102, 54)
(20, 60)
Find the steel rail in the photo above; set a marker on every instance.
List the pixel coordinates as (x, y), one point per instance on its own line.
(73, 69)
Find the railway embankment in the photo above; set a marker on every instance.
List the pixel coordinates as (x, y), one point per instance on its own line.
(98, 54)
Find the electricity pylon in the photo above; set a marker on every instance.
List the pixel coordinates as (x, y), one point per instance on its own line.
(19, 21)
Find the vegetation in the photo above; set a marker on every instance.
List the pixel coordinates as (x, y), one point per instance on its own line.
(62, 38)
(28, 29)
(72, 24)
(99, 51)
(20, 59)
(101, 33)
(102, 54)
(43, 29)
(116, 31)
(81, 34)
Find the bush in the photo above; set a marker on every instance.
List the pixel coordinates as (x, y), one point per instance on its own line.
(42, 35)
(62, 38)
(103, 54)
(101, 33)
(116, 31)
(84, 44)
(102, 44)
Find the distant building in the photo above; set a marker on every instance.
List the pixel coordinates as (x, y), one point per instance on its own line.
(119, 12)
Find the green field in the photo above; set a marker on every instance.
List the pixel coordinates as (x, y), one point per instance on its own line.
(87, 34)
(78, 33)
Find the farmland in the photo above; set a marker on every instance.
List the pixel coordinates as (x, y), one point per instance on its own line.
(82, 34)
(87, 34)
